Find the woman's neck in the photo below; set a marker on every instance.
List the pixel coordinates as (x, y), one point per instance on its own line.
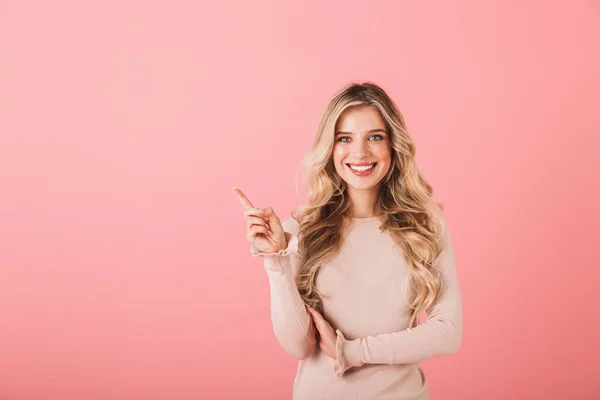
(363, 202)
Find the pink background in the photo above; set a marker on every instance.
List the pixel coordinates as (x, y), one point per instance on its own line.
(124, 268)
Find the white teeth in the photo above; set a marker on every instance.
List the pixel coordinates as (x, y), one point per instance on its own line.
(362, 168)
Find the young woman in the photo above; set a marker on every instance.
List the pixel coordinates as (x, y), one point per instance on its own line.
(352, 272)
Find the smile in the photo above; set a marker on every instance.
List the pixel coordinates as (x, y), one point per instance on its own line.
(361, 169)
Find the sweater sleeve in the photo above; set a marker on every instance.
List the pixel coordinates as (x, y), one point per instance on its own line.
(441, 334)
(292, 323)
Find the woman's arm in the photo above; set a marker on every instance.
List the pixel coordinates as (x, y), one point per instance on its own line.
(440, 335)
(292, 323)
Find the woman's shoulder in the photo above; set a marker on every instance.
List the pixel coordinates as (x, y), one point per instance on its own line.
(441, 225)
(436, 210)
(291, 224)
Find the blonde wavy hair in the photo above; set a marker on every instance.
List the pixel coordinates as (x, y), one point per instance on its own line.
(405, 205)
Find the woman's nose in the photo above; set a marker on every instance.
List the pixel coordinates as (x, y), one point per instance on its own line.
(360, 149)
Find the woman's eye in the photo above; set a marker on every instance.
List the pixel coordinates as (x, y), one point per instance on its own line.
(342, 139)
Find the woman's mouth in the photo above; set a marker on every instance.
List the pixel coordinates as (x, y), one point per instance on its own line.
(362, 169)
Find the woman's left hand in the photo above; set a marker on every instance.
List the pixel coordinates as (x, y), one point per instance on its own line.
(328, 337)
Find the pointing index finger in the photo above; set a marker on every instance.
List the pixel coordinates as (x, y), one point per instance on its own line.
(243, 199)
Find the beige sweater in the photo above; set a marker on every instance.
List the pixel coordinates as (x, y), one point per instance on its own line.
(365, 293)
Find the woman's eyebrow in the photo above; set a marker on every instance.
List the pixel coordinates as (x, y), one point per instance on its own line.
(350, 133)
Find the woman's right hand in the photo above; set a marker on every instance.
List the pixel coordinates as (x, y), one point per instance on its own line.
(264, 230)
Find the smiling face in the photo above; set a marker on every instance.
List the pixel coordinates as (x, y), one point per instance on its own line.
(362, 149)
